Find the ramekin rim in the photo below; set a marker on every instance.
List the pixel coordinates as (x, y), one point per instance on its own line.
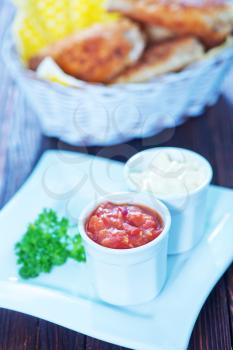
(131, 251)
(173, 196)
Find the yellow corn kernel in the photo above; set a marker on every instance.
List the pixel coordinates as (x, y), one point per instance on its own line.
(41, 22)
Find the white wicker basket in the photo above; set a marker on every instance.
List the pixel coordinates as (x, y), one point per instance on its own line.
(105, 115)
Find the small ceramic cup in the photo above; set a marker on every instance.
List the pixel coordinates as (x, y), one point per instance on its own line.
(128, 276)
(188, 210)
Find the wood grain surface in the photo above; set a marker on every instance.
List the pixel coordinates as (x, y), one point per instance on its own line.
(22, 143)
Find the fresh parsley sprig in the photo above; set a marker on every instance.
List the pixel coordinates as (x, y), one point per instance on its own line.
(48, 242)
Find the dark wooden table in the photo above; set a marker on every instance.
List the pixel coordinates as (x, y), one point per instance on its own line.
(21, 144)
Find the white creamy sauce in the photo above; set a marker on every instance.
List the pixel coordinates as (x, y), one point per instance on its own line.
(170, 173)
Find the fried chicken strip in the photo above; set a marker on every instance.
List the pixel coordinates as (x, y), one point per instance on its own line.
(97, 54)
(156, 34)
(163, 58)
(209, 20)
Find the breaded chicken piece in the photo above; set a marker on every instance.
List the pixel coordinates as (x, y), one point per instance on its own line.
(156, 34)
(209, 20)
(97, 54)
(163, 58)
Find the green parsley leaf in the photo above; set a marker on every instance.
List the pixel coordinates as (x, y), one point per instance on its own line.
(47, 243)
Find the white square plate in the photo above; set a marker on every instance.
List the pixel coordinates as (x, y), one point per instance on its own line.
(67, 182)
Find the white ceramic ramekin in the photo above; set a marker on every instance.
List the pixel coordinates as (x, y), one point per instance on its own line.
(188, 211)
(128, 276)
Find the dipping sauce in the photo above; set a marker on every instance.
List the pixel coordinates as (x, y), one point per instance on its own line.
(172, 172)
(123, 226)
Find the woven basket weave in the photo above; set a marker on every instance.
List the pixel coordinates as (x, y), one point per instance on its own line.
(105, 115)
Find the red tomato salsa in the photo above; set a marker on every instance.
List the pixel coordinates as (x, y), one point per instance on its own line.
(123, 226)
